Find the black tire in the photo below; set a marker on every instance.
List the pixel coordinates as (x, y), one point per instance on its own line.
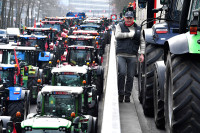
(94, 125)
(153, 53)
(182, 95)
(14, 107)
(158, 102)
(31, 83)
(99, 84)
(140, 81)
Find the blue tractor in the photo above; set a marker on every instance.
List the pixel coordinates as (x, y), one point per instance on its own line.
(15, 99)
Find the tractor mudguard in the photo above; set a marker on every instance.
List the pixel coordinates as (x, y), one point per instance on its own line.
(99, 70)
(176, 45)
(148, 35)
(5, 120)
(160, 68)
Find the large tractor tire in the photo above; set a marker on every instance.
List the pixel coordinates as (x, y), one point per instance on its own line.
(182, 93)
(99, 81)
(14, 107)
(153, 53)
(158, 90)
(31, 83)
(141, 71)
(94, 125)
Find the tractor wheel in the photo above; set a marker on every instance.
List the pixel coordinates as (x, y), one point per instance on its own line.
(158, 102)
(14, 107)
(99, 84)
(140, 81)
(33, 93)
(94, 125)
(153, 53)
(182, 94)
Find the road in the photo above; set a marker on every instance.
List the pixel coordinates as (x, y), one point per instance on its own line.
(132, 117)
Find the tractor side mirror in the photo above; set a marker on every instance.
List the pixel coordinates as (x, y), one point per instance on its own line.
(163, 2)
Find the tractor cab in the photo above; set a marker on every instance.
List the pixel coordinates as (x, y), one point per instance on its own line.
(49, 32)
(80, 55)
(67, 75)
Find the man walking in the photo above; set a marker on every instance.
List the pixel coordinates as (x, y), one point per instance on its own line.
(127, 35)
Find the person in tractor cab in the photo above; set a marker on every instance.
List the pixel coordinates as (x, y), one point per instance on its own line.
(128, 42)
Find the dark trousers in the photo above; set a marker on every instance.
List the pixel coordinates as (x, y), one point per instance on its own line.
(126, 73)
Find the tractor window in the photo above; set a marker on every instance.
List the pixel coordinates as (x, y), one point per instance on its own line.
(54, 26)
(195, 5)
(177, 9)
(89, 28)
(22, 56)
(44, 131)
(80, 43)
(59, 105)
(68, 80)
(4, 75)
(80, 57)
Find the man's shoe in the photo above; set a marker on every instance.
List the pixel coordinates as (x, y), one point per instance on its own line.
(121, 98)
(127, 99)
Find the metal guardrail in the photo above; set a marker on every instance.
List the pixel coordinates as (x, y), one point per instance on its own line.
(111, 117)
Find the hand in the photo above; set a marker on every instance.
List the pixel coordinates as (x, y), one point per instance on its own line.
(141, 58)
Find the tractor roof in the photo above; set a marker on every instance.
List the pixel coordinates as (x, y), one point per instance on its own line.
(81, 47)
(53, 22)
(17, 48)
(6, 66)
(85, 25)
(82, 37)
(33, 36)
(69, 68)
(45, 122)
(60, 18)
(68, 89)
(91, 32)
(40, 29)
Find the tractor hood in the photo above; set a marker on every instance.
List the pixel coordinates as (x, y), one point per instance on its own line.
(46, 122)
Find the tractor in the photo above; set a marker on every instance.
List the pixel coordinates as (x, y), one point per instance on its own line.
(26, 56)
(176, 79)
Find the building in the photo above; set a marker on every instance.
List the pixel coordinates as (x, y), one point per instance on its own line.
(96, 8)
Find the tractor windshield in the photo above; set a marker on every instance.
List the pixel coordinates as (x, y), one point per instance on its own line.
(59, 104)
(22, 56)
(80, 57)
(81, 42)
(89, 28)
(54, 26)
(177, 9)
(44, 131)
(65, 79)
(195, 6)
(7, 76)
(33, 42)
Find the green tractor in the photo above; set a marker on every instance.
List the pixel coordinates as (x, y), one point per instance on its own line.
(176, 82)
(66, 102)
(85, 55)
(79, 76)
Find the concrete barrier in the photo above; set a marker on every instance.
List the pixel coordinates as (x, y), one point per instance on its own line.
(111, 118)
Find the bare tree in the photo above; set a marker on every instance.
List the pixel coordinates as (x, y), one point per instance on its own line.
(27, 13)
(9, 22)
(32, 8)
(3, 13)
